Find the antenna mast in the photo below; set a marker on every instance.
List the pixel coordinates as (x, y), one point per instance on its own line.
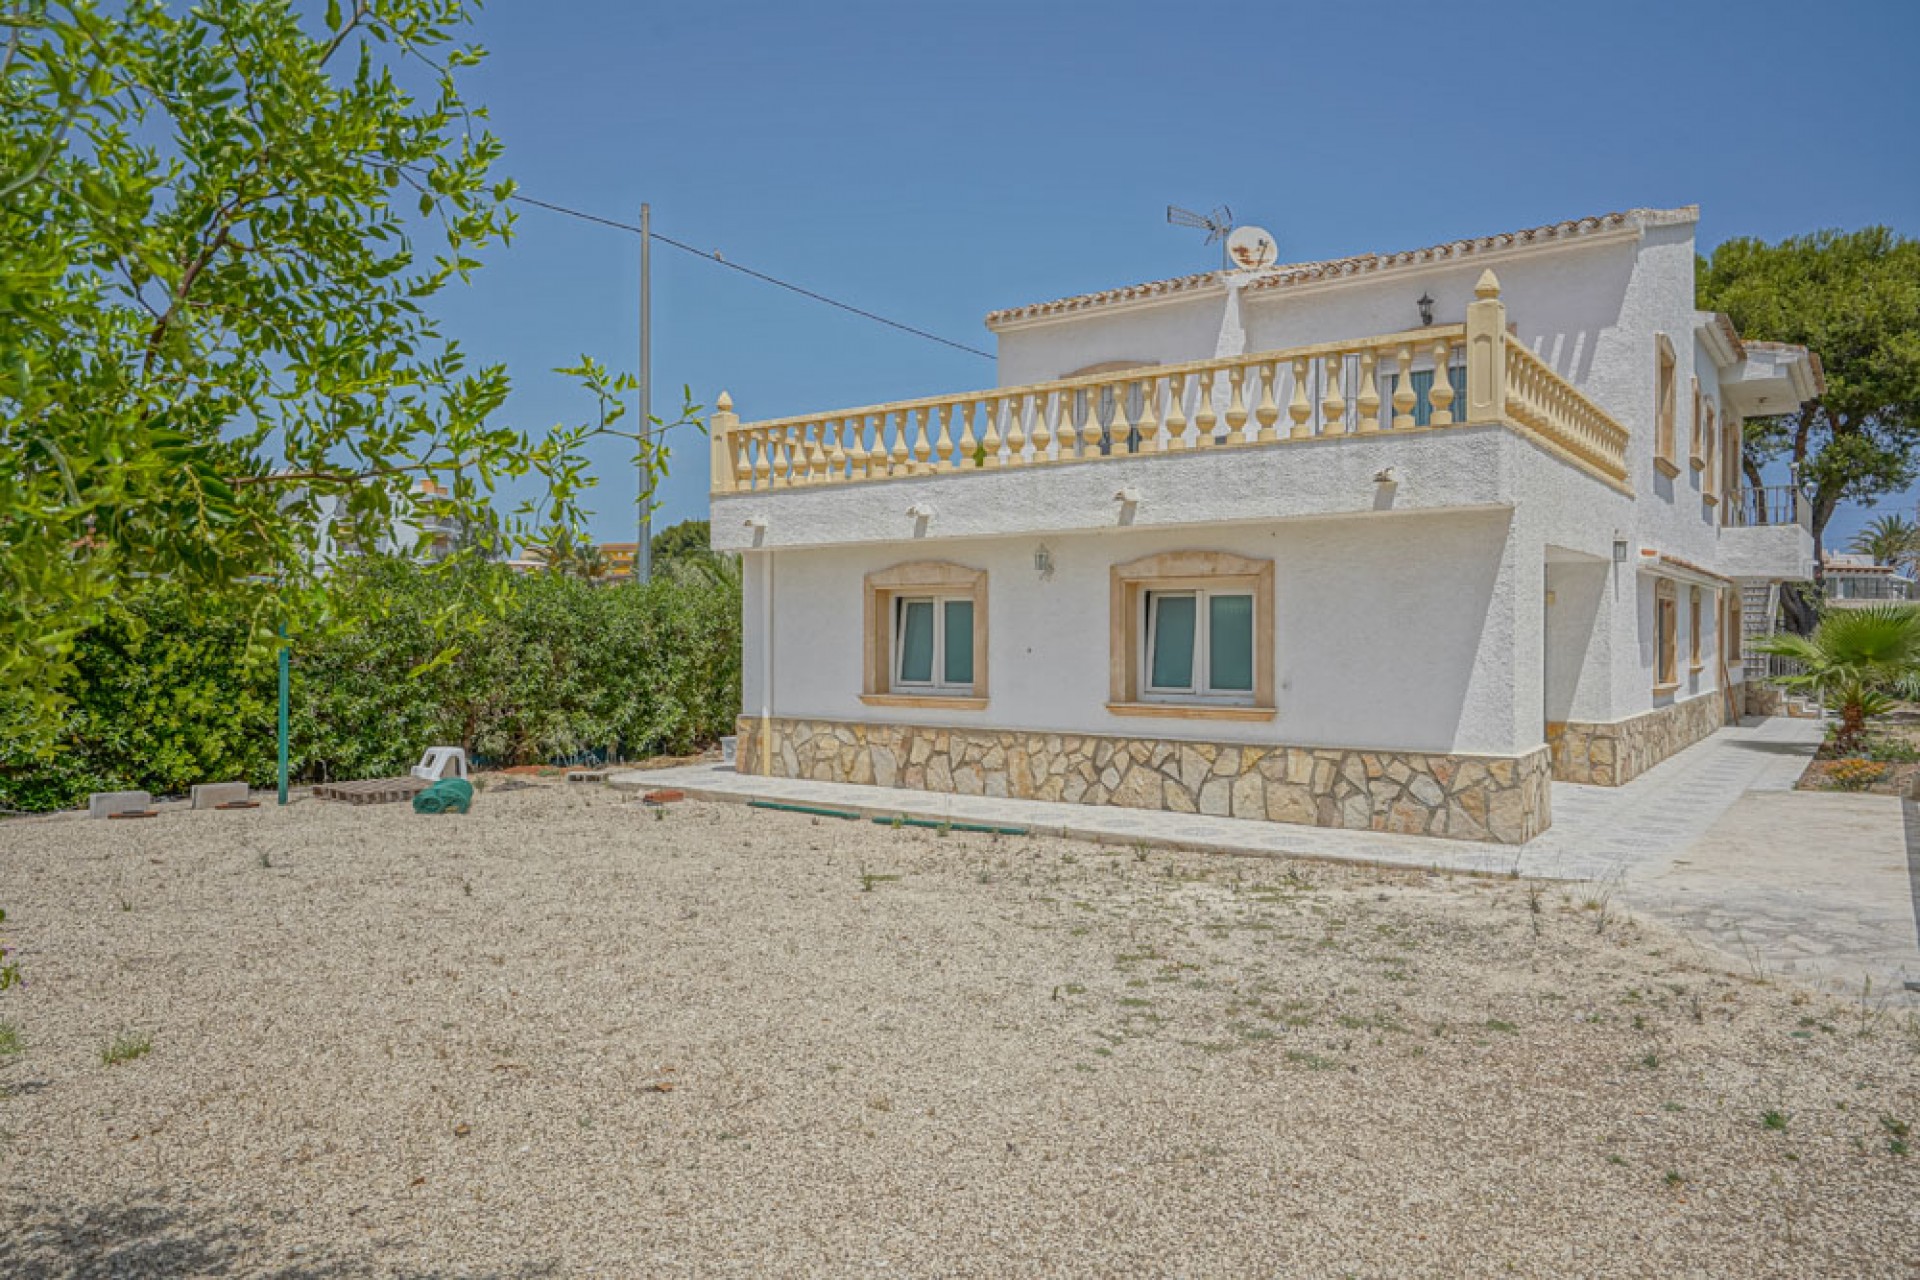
(1217, 225)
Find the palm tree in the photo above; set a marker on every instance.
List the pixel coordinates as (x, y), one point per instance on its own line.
(589, 562)
(717, 569)
(1893, 540)
(1857, 660)
(557, 549)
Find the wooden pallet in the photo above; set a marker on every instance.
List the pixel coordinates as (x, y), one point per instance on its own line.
(372, 790)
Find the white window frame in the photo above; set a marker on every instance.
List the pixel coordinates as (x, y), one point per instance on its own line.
(939, 683)
(1201, 690)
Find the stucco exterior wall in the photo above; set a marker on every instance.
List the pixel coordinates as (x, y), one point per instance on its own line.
(1461, 609)
(1209, 500)
(1561, 303)
(1592, 310)
(1391, 632)
(1443, 469)
(1196, 329)
(1767, 551)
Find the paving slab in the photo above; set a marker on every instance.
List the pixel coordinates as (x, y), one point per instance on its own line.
(104, 804)
(211, 795)
(1818, 887)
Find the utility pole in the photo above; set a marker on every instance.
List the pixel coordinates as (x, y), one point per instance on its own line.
(643, 553)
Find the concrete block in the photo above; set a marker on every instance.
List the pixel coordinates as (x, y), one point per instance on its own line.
(102, 804)
(208, 795)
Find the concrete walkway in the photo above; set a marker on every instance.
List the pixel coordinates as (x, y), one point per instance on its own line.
(1817, 886)
(1598, 833)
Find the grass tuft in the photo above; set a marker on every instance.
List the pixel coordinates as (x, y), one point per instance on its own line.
(127, 1046)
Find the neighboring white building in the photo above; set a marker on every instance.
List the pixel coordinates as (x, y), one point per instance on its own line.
(1227, 544)
(1851, 581)
(420, 532)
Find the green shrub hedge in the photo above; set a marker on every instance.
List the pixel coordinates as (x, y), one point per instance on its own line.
(168, 695)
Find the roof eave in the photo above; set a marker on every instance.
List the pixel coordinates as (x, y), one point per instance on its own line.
(1571, 233)
(1721, 339)
(999, 322)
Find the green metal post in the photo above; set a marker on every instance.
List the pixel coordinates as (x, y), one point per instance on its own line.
(285, 653)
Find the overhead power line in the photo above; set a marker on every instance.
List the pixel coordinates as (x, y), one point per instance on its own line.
(757, 275)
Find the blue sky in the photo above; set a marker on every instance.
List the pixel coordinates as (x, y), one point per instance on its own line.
(935, 161)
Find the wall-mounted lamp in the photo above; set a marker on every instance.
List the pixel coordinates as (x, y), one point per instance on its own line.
(920, 511)
(1042, 560)
(755, 522)
(1426, 308)
(1128, 495)
(1386, 475)
(1619, 550)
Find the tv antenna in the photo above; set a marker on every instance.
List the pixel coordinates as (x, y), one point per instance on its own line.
(1218, 224)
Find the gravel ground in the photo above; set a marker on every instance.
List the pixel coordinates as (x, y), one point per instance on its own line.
(566, 1036)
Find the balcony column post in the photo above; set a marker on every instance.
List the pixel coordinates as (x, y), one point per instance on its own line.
(720, 444)
(1486, 353)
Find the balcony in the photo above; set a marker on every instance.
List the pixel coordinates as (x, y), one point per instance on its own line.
(1778, 504)
(1769, 535)
(1383, 387)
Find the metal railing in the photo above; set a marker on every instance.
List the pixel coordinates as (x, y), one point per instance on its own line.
(1767, 666)
(1842, 585)
(1773, 505)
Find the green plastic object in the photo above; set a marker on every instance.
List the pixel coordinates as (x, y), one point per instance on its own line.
(449, 795)
(931, 825)
(815, 810)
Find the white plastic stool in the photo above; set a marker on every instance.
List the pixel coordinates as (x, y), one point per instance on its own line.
(442, 762)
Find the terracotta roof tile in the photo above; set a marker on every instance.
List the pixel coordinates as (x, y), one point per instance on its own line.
(1342, 268)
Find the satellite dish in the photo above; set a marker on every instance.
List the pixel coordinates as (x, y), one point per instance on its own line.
(1252, 249)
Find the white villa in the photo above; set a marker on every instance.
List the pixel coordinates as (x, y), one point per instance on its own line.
(1234, 544)
(1854, 581)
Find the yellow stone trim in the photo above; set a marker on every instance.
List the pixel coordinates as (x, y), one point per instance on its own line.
(915, 577)
(953, 703)
(1565, 455)
(1192, 711)
(1184, 571)
(1666, 636)
(1696, 447)
(1694, 619)
(1452, 333)
(1666, 403)
(1506, 383)
(1556, 415)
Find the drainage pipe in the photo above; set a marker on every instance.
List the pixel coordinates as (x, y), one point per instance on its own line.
(813, 809)
(943, 825)
(766, 666)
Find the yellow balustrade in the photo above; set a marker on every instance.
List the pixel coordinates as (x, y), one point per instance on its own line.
(1329, 389)
(1545, 403)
